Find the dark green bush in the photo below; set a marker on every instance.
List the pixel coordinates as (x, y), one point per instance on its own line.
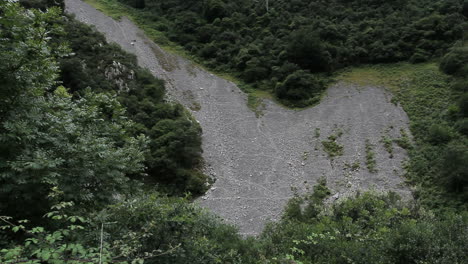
(307, 50)
(455, 168)
(440, 134)
(462, 126)
(454, 62)
(299, 87)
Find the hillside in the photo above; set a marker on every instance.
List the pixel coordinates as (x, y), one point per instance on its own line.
(99, 145)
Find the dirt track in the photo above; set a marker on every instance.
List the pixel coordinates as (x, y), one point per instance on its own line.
(257, 161)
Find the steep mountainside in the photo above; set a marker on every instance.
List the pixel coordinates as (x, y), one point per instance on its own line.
(258, 162)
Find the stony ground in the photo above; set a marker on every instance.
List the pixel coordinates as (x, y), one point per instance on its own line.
(258, 162)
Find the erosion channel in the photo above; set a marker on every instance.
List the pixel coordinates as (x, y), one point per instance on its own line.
(259, 162)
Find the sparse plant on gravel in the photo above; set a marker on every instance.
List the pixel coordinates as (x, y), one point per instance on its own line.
(371, 163)
(388, 145)
(404, 140)
(317, 132)
(331, 147)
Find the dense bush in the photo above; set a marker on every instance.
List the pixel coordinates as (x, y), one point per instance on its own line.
(299, 89)
(368, 228)
(455, 61)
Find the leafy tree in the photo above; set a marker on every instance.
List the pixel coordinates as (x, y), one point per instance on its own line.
(306, 49)
(49, 140)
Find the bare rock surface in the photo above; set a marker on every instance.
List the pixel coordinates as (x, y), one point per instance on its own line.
(258, 161)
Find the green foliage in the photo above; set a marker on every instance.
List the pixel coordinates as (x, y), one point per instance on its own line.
(455, 168)
(455, 61)
(331, 147)
(307, 208)
(299, 89)
(42, 4)
(367, 228)
(404, 141)
(439, 134)
(173, 225)
(49, 140)
(306, 49)
(57, 246)
(69, 241)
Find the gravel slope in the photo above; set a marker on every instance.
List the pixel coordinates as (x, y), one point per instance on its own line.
(258, 161)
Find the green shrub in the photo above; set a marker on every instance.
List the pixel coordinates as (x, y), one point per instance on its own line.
(454, 61)
(454, 168)
(462, 126)
(298, 88)
(460, 85)
(440, 134)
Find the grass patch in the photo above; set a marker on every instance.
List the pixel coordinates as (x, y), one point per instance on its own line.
(331, 147)
(371, 163)
(353, 166)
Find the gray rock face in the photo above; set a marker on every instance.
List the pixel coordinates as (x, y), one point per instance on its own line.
(258, 161)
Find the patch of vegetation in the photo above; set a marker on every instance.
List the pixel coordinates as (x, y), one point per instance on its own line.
(356, 165)
(404, 141)
(317, 132)
(353, 166)
(371, 163)
(382, 226)
(388, 145)
(331, 147)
